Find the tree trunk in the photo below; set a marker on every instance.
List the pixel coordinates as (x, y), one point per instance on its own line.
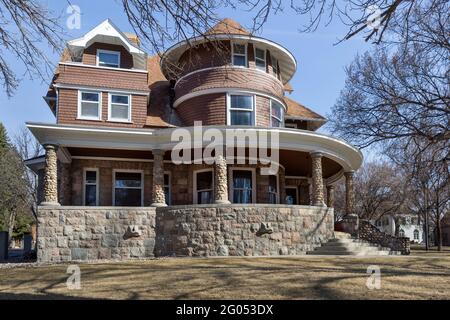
(438, 224)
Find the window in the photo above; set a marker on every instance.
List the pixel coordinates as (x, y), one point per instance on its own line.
(89, 105)
(416, 234)
(401, 233)
(128, 189)
(203, 187)
(274, 66)
(241, 108)
(167, 188)
(260, 59)
(276, 114)
(378, 223)
(90, 197)
(291, 195)
(119, 108)
(239, 55)
(242, 186)
(109, 59)
(273, 189)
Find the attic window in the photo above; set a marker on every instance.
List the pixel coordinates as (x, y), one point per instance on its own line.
(109, 59)
(239, 55)
(260, 59)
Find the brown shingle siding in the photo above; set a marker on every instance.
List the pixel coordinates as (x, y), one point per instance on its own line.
(90, 54)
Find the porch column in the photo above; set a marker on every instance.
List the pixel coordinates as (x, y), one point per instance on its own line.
(349, 195)
(158, 196)
(317, 179)
(221, 180)
(50, 196)
(330, 196)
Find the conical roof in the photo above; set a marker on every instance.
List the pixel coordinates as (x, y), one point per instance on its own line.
(228, 26)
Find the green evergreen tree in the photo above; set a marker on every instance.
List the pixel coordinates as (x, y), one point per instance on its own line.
(4, 140)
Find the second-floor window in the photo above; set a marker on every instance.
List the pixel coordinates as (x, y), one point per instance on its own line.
(241, 110)
(239, 55)
(276, 114)
(260, 59)
(107, 58)
(89, 105)
(119, 107)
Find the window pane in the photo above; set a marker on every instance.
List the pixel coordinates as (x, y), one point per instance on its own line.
(89, 96)
(128, 179)
(242, 196)
(276, 123)
(91, 176)
(204, 197)
(239, 48)
(242, 179)
(89, 109)
(291, 196)
(119, 111)
(273, 184)
(241, 118)
(166, 179)
(108, 59)
(259, 54)
(242, 102)
(260, 64)
(119, 99)
(277, 109)
(204, 180)
(128, 197)
(239, 61)
(167, 195)
(90, 196)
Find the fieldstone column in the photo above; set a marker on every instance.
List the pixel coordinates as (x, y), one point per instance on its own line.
(330, 196)
(317, 179)
(221, 180)
(349, 195)
(50, 192)
(158, 196)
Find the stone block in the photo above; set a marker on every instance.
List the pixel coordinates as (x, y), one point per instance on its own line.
(79, 254)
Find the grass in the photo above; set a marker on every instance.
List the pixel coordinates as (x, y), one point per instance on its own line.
(310, 277)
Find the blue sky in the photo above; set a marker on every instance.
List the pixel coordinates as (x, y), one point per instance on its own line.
(317, 83)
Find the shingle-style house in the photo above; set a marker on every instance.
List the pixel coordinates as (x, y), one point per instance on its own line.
(110, 188)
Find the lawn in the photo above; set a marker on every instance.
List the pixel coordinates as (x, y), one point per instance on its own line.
(310, 277)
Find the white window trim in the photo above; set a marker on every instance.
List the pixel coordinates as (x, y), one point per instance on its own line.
(229, 109)
(239, 54)
(296, 193)
(230, 184)
(97, 185)
(111, 119)
(271, 116)
(169, 201)
(109, 52)
(114, 184)
(265, 59)
(278, 187)
(195, 191)
(79, 115)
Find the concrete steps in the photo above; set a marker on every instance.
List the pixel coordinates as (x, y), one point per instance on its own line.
(343, 244)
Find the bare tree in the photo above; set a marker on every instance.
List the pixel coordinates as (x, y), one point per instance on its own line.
(25, 26)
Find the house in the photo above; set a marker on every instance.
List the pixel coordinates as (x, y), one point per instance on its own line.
(111, 188)
(409, 226)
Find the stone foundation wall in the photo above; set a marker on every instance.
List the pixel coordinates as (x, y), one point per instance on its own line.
(83, 233)
(239, 230)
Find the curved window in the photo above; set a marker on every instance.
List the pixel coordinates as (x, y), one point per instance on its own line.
(241, 110)
(276, 114)
(401, 233)
(416, 234)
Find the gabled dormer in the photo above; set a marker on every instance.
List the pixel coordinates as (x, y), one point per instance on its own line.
(106, 46)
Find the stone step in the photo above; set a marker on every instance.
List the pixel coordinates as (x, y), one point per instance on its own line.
(343, 245)
(342, 235)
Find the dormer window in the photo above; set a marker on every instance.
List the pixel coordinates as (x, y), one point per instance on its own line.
(239, 55)
(260, 59)
(107, 58)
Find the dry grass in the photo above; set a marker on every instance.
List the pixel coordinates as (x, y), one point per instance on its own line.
(237, 278)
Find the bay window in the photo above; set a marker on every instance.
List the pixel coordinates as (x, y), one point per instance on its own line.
(260, 59)
(107, 58)
(119, 107)
(128, 188)
(276, 114)
(239, 55)
(89, 105)
(241, 110)
(242, 186)
(204, 187)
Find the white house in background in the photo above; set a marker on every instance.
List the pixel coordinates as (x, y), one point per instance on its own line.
(409, 226)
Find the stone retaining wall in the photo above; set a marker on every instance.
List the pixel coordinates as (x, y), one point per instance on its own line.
(238, 230)
(85, 233)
